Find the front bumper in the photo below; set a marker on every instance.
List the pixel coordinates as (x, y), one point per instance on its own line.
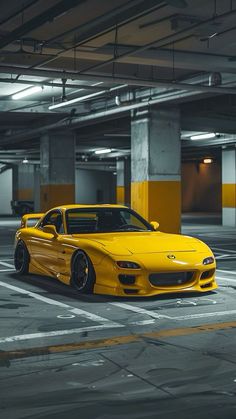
(110, 279)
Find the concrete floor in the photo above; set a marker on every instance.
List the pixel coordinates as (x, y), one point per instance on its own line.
(93, 357)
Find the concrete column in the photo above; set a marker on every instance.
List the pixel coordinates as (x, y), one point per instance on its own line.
(57, 170)
(123, 179)
(37, 188)
(229, 187)
(155, 167)
(23, 182)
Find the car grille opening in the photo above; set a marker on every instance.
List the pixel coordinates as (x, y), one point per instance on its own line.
(130, 291)
(171, 278)
(127, 279)
(207, 274)
(208, 285)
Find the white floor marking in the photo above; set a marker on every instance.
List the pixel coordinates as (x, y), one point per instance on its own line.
(223, 250)
(50, 301)
(226, 279)
(162, 316)
(6, 270)
(140, 310)
(224, 256)
(57, 333)
(226, 272)
(8, 265)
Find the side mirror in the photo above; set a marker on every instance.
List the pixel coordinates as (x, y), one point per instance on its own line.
(50, 229)
(155, 225)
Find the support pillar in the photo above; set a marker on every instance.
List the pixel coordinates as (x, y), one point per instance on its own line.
(155, 167)
(23, 182)
(57, 170)
(229, 187)
(123, 179)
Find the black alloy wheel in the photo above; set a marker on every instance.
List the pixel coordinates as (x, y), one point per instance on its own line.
(83, 274)
(21, 258)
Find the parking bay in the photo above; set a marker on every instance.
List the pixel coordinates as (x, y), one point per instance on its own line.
(111, 357)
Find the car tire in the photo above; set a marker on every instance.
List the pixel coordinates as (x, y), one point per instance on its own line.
(83, 274)
(21, 258)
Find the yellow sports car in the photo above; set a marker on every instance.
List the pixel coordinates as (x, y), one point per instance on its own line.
(110, 249)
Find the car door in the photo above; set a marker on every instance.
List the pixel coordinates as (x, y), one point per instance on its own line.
(44, 247)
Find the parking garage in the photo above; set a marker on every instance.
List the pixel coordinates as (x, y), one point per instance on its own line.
(129, 103)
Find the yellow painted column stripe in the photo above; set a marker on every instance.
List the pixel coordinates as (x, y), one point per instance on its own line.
(25, 194)
(120, 195)
(117, 340)
(55, 195)
(158, 201)
(229, 195)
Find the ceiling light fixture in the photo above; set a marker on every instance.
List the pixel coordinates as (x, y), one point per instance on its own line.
(25, 161)
(207, 161)
(77, 99)
(103, 151)
(203, 136)
(27, 92)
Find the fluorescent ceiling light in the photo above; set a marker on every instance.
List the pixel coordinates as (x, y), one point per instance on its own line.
(96, 84)
(203, 136)
(121, 86)
(27, 92)
(103, 151)
(77, 99)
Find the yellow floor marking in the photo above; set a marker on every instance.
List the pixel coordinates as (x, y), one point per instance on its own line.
(114, 341)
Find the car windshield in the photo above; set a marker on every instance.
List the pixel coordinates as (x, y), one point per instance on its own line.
(100, 220)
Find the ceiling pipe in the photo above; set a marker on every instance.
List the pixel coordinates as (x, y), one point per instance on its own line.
(18, 12)
(69, 123)
(37, 21)
(159, 43)
(105, 23)
(121, 80)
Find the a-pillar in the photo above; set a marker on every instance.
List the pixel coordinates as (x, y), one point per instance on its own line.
(123, 178)
(229, 187)
(155, 167)
(57, 170)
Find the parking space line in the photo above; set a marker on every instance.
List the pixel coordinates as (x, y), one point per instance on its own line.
(71, 309)
(8, 265)
(226, 272)
(7, 270)
(55, 333)
(226, 279)
(223, 250)
(155, 315)
(115, 340)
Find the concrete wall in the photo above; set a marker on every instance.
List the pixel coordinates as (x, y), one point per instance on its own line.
(6, 192)
(201, 187)
(94, 187)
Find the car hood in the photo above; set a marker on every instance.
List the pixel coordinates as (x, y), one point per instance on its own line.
(148, 242)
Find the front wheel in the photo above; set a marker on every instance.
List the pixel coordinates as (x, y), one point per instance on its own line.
(83, 274)
(21, 258)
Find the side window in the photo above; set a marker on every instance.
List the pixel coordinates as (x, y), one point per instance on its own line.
(54, 218)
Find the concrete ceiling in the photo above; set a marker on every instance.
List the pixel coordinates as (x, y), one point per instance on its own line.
(111, 57)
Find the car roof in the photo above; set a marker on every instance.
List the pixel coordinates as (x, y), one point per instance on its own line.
(81, 206)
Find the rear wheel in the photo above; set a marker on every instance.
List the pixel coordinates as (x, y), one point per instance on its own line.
(83, 274)
(21, 258)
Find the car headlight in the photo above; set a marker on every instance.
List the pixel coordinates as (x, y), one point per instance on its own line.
(127, 265)
(208, 261)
